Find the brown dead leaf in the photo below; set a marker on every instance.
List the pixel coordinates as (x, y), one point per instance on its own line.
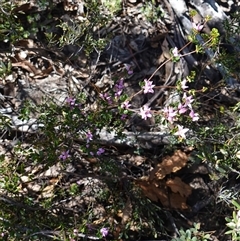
(92, 160)
(177, 201)
(169, 164)
(174, 200)
(25, 64)
(99, 221)
(148, 190)
(178, 186)
(165, 49)
(159, 193)
(127, 212)
(116, 232)
(44, 73)
(168, 70)
(48, 191)
(25, 43)
(156, 39)
(54, 180)
(21, 61)
(154, 192)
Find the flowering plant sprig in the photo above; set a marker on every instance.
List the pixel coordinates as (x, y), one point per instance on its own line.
(184, 107)
(175, 54)
(172, 114)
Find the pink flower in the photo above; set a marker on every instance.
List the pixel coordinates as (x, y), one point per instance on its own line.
(89, 136)
(104, 231)
(183, 84)
(148, 87)
(128, 68)
(181, 132)
(181, 108)
(119, 87)
(123, 117)
(106, 97)
(170, 114)
(71, 101)
(194, 116)
(64, 155)
(197, 26)
(188, 100)
(125, 105)
(175, 52)
(100, 151)
(145, 112)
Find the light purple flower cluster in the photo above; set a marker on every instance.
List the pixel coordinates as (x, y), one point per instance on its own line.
(175, 52)
(145, 112)
(187, 104)
(172, 113)
(123, 117)
(100, 151)
(181, 131)
(118, 88)
(183, 84)
(198, 26)
(104, 231)
(106, 97)
(89, 136)
(71, 102)
(128, 67)
(125, 105)
(148, 87)
(64, 155)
